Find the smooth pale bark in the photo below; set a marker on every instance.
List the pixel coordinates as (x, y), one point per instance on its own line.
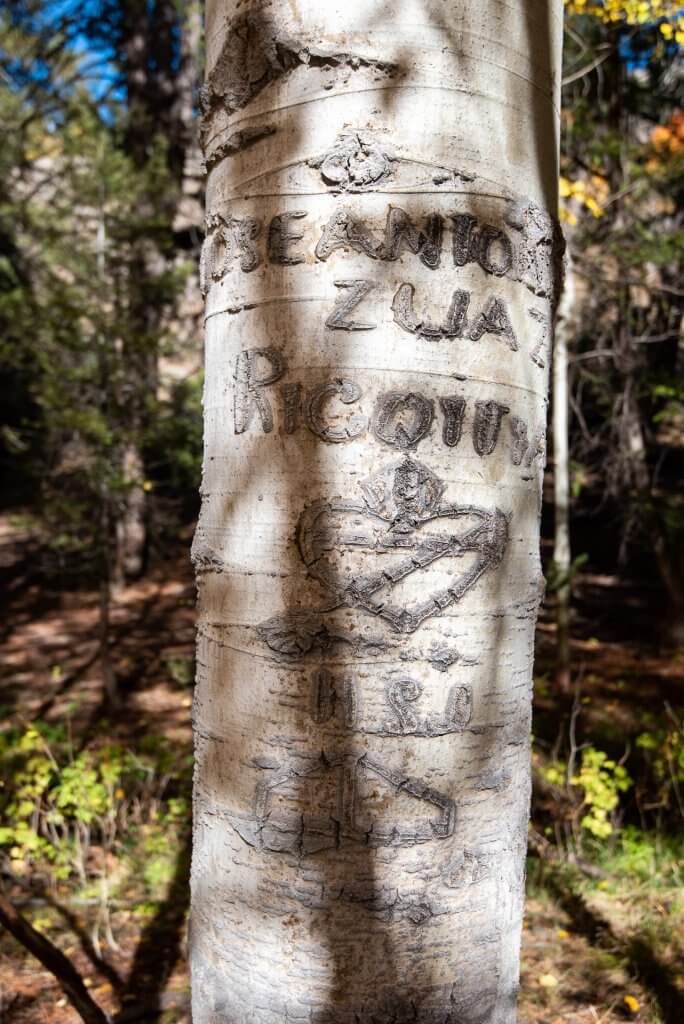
(380, 268)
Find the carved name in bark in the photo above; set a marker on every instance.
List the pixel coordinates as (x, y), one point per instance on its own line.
(523, 250)
(399, 419)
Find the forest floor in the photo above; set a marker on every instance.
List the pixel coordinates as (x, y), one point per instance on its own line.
(600, 951)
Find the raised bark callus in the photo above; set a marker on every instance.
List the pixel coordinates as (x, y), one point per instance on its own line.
(380, 270)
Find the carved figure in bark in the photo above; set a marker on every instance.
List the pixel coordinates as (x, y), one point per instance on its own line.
(406, 528)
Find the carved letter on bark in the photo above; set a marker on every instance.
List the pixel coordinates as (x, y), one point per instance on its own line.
(452, 327)
(494, 319)
(281, 235)
(402, 418)
(347, 392)
(487, 426)
(251, 377)
(356, 291)
(454, 411)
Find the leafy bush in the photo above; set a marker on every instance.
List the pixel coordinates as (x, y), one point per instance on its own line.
(661, 785)
(59, 805)
(586, 801)
(601, 780)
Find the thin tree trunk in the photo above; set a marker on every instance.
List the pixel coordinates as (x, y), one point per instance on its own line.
(561, 480)
(131, 521)
(54, 961)
(381, 266)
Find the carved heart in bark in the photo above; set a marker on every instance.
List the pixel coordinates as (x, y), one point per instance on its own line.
(406, 529)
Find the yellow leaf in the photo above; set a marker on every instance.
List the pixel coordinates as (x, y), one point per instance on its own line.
(562, 934)
(632, 1004)
(593, 206)
(548, 981)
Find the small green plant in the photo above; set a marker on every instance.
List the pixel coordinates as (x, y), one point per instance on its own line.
(601, 780)
(585, 801)
(58, 807)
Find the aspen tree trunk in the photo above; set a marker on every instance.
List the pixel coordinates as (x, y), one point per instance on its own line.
(380, 270)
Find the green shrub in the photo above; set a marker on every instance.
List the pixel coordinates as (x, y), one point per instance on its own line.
(57, 805)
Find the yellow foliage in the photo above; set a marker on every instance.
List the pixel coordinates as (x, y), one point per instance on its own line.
(593, 206)
(635, 12)
(589, 195)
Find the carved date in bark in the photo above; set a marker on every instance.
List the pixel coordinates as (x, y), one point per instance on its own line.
(333, 698)
(337, 701)
(340, 801)
(403, 695)
(393, 527)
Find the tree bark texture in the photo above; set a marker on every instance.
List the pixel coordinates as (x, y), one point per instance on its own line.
(380, 269)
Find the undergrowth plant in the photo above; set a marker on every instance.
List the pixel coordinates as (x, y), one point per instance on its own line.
(587, 797)
(63, 812)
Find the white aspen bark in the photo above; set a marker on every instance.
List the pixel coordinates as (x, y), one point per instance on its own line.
(380, 271)
(564, 328)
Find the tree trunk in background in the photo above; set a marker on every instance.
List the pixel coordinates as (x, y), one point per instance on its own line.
(158, 50)
(380, 265)
(564, 330)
